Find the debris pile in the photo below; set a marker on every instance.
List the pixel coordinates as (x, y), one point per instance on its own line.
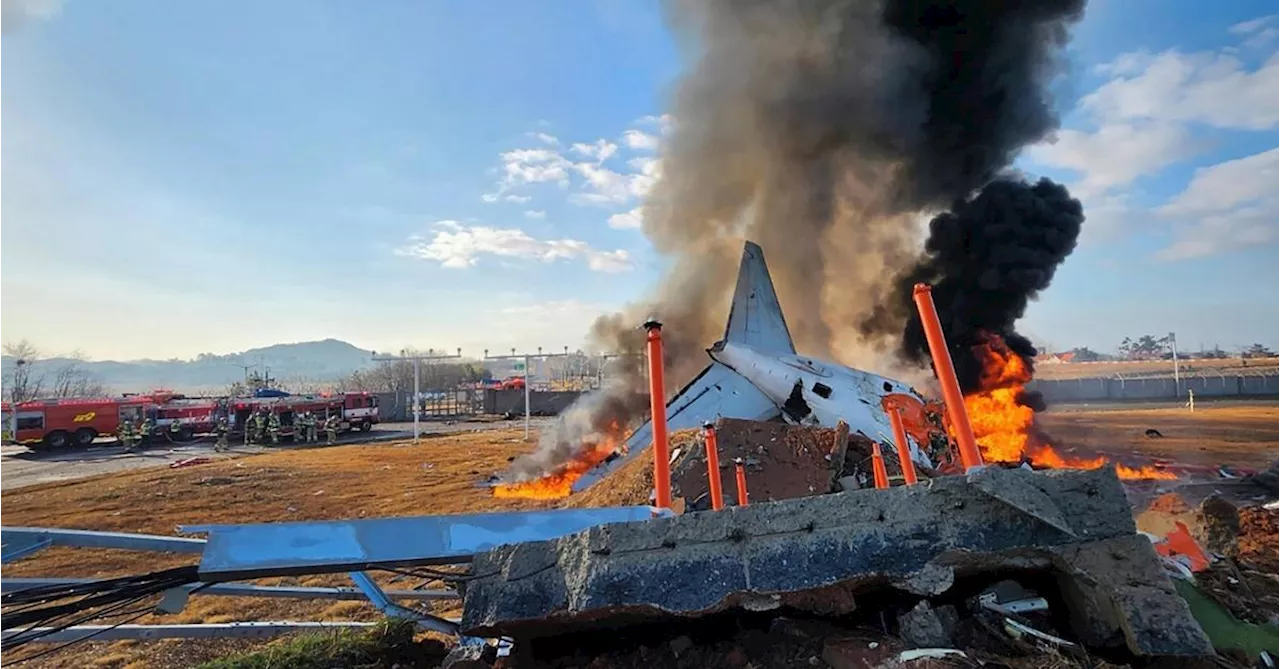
(999, 560)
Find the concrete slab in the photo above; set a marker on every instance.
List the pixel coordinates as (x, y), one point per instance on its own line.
(819, 554)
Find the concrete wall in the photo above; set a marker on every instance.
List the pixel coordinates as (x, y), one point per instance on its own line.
(1120, 390)
(541, 403)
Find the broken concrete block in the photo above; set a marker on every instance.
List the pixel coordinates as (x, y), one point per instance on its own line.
(1216, 525)
(817, 554)
(922, 627)
(469, 656)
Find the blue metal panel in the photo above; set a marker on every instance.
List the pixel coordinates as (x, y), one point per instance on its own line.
(717, 392)
(236, 552)
(246, 590)
(99, 540)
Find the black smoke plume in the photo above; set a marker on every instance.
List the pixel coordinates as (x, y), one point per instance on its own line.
(820, 130)
(986, 259)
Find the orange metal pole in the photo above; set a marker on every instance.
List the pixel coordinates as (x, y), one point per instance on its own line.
(878, 471)
(658, 413)
(742, 481)
(946, 371)
(904, 448)
(713, 468)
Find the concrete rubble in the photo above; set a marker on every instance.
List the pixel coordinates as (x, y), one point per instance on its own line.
(824, 555)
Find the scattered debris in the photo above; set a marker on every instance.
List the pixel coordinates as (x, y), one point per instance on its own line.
(187, 462)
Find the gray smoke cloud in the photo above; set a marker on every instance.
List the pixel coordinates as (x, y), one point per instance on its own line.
(15, 14)
(821, 131)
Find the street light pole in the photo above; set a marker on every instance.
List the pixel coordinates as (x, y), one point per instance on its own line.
(417, 376)
(1173, 343)
(526, 358)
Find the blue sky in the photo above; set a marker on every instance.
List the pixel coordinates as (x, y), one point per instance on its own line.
(211, 176)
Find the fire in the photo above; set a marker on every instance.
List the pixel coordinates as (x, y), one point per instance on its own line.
(559, 482)
(1005, 429)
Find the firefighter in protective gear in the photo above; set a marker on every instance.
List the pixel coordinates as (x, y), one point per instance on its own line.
(175, 430)
(148, 429)
(260, 427)
(126, 434)
(331, 429)
(273, 427)
(221, 428)
(311, 428)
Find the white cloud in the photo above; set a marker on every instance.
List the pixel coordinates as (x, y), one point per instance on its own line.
(640, 141)
(1228, 206)
(527, 166)
(1115, 154)
(627, 220)
(535, 214)
(664, 122)
(600, 150)
(1254, 25)
(16, 13)
(457, 246)
(518, 199)
(1215, 89)
(545, 138)
(604, 186)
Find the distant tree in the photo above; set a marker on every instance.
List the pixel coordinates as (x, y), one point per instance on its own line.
(71, 379)
(1145, 347)
(30, 376)
(237, 389)
(1085, 354)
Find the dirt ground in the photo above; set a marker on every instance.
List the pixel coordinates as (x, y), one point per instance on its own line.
(435, 477)
(1077, 370)
(1238, 436)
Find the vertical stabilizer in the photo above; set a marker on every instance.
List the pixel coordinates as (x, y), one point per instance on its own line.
(755, 318)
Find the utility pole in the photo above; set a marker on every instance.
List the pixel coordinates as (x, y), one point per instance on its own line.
(1177, 386)
(417, 376)
(526, 357)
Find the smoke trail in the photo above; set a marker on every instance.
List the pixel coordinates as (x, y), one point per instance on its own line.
(819, 130)
(986, 259)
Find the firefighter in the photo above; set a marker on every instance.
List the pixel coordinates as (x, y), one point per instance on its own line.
(311, 428)
(273, 427)
(125, 434)
(175, 430)
(148, 428)
(331, 429)
(221, 428)
(260, 427)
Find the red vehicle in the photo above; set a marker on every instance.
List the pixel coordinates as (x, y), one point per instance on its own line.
(78, 421)
(358, 411)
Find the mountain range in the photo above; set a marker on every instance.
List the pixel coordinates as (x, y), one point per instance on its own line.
(319, 361)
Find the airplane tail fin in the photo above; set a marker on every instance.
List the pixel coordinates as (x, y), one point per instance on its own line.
(755, 318)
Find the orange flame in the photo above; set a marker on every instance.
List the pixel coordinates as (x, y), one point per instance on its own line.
(1005, 429)
(559, 482)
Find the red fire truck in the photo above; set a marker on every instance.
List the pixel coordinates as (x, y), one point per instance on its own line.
(356, 411)
(78, 421)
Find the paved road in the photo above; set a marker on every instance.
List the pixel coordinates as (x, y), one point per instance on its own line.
(20, 466)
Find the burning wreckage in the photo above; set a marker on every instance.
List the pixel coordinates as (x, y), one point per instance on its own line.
(822, 545)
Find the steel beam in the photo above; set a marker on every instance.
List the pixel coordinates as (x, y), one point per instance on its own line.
(239, 552)
(26, 540)
(8, 585)
(225, 630)
(383, 603)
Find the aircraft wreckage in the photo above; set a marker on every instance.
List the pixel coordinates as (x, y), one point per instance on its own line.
(541, 574)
